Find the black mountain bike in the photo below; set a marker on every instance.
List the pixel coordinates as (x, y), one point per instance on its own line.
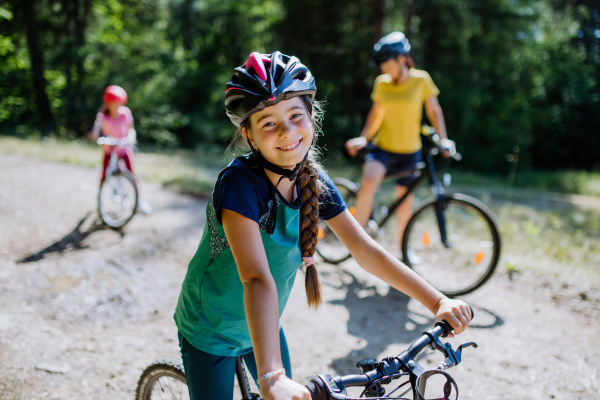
(166, 379)
(451, 240)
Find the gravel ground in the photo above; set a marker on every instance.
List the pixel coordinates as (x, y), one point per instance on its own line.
(84, 309)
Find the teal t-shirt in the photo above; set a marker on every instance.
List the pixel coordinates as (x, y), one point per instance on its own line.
(210, 311)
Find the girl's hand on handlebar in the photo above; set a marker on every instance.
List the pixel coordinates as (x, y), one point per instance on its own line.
(354, 145)
(280, 387)
(456, 312)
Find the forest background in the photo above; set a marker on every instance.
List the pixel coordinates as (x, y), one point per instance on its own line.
(511, 72)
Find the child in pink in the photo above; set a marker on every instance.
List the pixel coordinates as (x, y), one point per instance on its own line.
(115, 120)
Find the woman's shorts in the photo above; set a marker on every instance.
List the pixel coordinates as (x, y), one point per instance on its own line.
(394, 161)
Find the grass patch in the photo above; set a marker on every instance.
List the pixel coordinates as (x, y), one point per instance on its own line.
(562, 243)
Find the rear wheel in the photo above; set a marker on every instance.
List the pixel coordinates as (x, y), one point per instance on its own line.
(163, 380)
(329, 247)
(474, 245)
(117, 200)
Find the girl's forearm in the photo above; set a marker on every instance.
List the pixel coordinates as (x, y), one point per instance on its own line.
(260, 292)
(377, 261)
(262, 314)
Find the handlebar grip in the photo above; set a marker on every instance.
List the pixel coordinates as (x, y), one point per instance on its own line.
(315, 394)
(448, 328)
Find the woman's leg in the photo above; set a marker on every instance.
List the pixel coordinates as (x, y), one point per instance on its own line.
(373, 174)
(209, 377)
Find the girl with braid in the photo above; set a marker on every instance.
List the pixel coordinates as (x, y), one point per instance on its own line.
(261, 226)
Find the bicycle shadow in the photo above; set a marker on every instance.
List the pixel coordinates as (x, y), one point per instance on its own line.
(379, 320)
(386, 320)
(74, 239)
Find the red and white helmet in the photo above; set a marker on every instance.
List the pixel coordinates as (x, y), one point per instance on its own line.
(264, 80)
(115, 93)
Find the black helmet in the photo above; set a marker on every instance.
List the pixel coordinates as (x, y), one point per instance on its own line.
(264, 80)
(390, 46)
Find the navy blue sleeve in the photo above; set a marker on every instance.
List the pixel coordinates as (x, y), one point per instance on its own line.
(235, 191)
(330, 202)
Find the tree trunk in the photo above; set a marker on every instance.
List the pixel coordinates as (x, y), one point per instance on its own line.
(378, 7)
(410, 10)
(46, 120)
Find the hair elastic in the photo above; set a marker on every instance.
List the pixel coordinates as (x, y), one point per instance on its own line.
(308, 261)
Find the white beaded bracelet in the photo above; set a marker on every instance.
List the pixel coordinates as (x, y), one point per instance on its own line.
(270, 374)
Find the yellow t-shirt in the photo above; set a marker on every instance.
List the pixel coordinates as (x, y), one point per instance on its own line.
(403, 103)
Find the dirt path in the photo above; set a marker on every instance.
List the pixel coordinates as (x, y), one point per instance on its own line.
(95, 305)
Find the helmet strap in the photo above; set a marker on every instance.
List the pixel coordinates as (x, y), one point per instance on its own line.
(291, 174)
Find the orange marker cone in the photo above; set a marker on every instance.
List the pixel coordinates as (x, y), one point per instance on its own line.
(426, 241)
(321, 233)
(479, 257)
(352, 210)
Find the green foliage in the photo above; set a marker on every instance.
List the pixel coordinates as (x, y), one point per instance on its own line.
(511, 72)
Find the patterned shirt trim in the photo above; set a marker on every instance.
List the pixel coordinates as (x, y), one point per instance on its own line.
(219, 244)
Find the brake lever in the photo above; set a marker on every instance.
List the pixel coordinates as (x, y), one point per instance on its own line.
(454, 357)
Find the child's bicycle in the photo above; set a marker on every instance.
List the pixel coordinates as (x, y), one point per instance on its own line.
(451, 240)
(118, 196)
(165, 379)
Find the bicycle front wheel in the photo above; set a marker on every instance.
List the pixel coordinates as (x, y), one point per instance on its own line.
(329, 247)
(472, 251)
(163, 380)
(117, 200)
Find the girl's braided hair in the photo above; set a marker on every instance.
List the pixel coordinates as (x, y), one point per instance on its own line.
(310, 188)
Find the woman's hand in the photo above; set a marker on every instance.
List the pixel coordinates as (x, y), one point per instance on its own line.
(448, 147)
(456, 312)
(280, 387)
(354, 145)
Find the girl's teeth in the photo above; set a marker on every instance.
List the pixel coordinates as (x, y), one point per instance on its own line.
(290, 147)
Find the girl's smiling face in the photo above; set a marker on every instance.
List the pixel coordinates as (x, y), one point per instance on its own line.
(283, 133)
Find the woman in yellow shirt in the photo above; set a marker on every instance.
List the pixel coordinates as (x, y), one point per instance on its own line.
(398, 98)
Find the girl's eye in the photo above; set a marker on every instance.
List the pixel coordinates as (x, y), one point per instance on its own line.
(295, 116)
(268, 124)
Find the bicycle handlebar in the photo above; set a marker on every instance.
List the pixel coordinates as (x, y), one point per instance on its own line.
(440, 145)
(111, 141)
(327, 388)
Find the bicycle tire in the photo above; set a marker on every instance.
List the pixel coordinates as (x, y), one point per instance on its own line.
(464, 268)
(159, 378)
(329, 246)
(108, 205)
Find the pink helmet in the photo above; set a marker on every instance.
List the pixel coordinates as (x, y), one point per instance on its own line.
(115, 93)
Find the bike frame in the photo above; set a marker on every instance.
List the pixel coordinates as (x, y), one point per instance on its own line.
(436, 188)
(242, 379)
(113, 165)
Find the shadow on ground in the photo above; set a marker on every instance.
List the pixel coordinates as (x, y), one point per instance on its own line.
(385, 320)
(89, 224)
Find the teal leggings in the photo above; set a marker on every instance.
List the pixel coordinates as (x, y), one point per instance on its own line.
(211, 377)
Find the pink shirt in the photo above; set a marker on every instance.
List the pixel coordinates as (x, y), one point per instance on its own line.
(115, 127)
